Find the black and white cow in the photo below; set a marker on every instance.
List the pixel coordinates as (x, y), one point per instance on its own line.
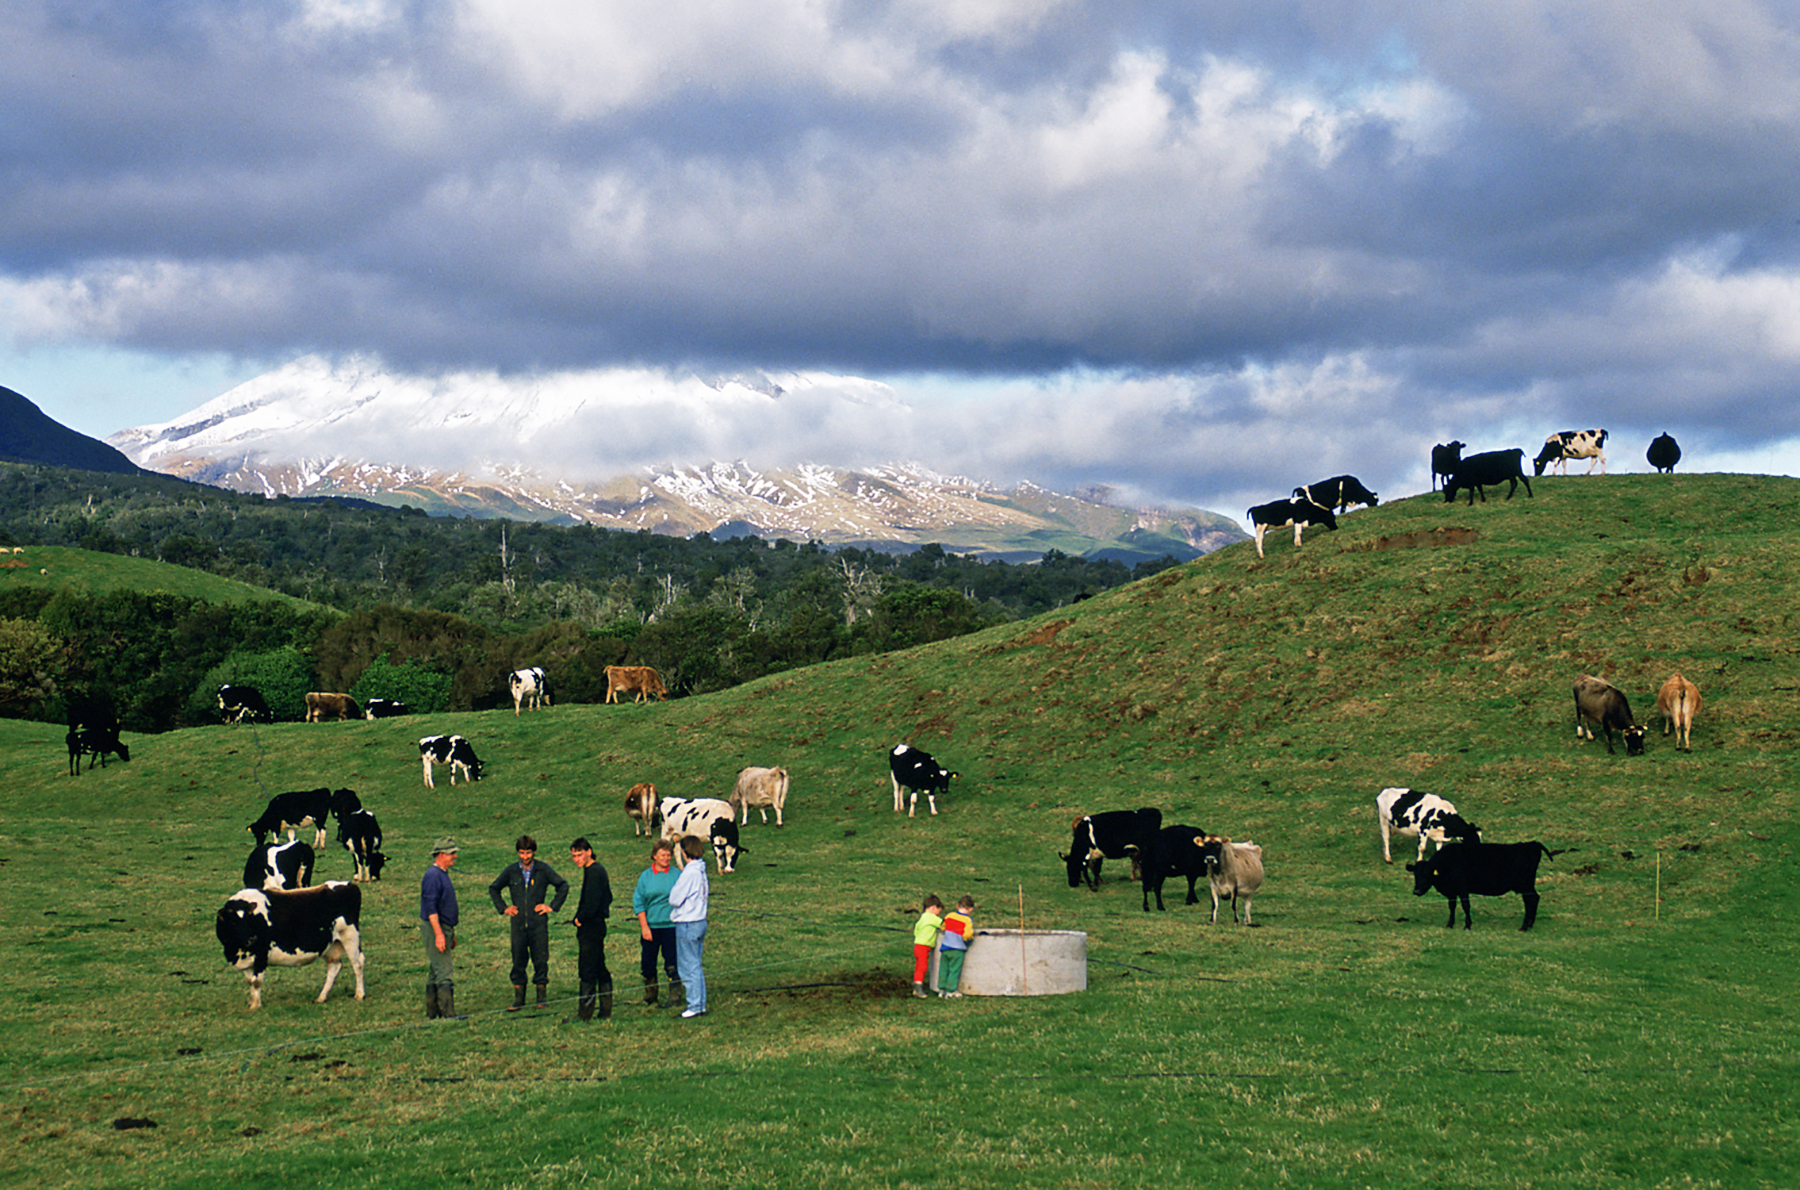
(1174, 851)
(1598, 701)
(452, 750)
(275, 866)
(385, 708)
(1445, 457)
(916, 772)
(709, 818)
(1338, 492)
(1484, 869)
(241, 702)
(260, 929)
(290, 811)
(1492, 467)
(1432, 819)
(529, 688)
(1279, 514)
(360, 833)
(1115, 834)
(1564, 445)
(1663, 454)
(95, 743)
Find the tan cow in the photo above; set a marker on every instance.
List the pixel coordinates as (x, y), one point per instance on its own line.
(634, 679)
(640, 805)
(761, 788)
(321, 706)
(1678, 702)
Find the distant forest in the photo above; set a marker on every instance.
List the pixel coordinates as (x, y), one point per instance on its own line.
(435, 610)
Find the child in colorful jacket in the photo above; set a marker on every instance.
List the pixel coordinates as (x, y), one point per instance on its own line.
(925, 936)
(959, 931)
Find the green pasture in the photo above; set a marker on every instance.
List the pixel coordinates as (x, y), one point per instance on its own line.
(1642, 1034)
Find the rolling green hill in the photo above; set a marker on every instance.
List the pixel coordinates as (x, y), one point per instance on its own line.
(1640, 1035)
(55, 568)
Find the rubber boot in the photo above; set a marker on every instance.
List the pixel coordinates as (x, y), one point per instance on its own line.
(584, 1006)
(606, 998)
(543, 990)
(432, 1011)
(919, 992)
(446, 996)
(677, 993)
(650, 992)
(518, 997)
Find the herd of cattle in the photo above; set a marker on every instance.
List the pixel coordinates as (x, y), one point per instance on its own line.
(530, 689)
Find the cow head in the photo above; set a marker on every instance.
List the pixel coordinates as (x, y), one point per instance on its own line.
(241, 922)
(375, 864)
(1634, 740)
(725, 844)
(1423, 874)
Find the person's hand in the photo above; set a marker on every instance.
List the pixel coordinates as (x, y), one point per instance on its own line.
(511, 911)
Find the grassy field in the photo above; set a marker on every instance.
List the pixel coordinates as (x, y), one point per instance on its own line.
(58, 569)
(1640, 1035)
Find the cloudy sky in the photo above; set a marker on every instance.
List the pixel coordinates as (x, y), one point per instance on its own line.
(1199, 251)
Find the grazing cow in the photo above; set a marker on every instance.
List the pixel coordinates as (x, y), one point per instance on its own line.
(1234, 870)
(1564, 445)
(1494, 467)
(261, 929)
(321, 706)
(1663, 454)
(1433, 819)
(529, 688)
(95, 743)
(1485, 869)
(1445, 458)
(1174, 851)
(916, 772)
(241, 702)
(275, 866)
(1598, 701)
(1338, 492)
(1279, 514)
(385, 708)
(761, 788)
(705, 818)
(641, 806)
(1116, 834)
(452, 750)
(360, 833)
(640, 680)
(290, 811)
(1678, 702)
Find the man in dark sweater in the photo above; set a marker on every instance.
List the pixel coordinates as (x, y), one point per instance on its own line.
(437, 909)
(527, 880)
(591, 908)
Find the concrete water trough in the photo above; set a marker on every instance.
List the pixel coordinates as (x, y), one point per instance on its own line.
(1023, 963)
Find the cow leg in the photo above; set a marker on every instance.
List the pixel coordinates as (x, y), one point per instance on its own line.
(334, 959)
(1192, 899)
(1297, 531)
(930, 799)
(1531, 904)
(427, 762)
(1214, 920)
(1247, 899)
(1468, 922)
(255, 978)
(1451, 924)
(896, 782)
(1260, 530)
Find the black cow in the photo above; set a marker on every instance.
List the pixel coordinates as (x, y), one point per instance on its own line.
(452, 750)
(1663, 454)
(916, 772)
(277, 866)
(1279, 514)
(1598, 701)
(1174, 851)
(239, 702)
(1490, 467)
(360, 832)
(290, 929)
(384, 708)
(1338, 492)
(1116, 834)
(290, 811)
(94, 742)
(1445, 457)
(1484, 869)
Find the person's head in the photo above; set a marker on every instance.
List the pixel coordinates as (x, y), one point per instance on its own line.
(581, 852)
(692, 847)
(932, 902)
(662, 855)
(444, 853)
(527, 848)
(965, 903)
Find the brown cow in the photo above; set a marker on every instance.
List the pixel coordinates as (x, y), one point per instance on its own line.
(634, 679)
(1678, 702)
(321, 706)
(1599, 702)
(640, 804)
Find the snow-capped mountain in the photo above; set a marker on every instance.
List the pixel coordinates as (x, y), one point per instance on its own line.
(572, 447)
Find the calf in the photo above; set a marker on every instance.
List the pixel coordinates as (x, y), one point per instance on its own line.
(1279, 514)
(530, 687)
(260, 929)
(640, 807)
(239, 702)
(1663, 454)
(1445, 458)
(385, 708)
(705, 818)
(1116, 834)
(916, 772)
(640, 680)
(1338, 492)
(321, 706)
(1598, 701)
(360, 833)
(277, 866)
(1477, 472)
(290, 811)
(1485, 869)
(1414, 812)
(1234, 870)
(95, 743)
(452, 750)
(1564, 445)
(761, 788)
(1174, 851)
(1678, 702)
